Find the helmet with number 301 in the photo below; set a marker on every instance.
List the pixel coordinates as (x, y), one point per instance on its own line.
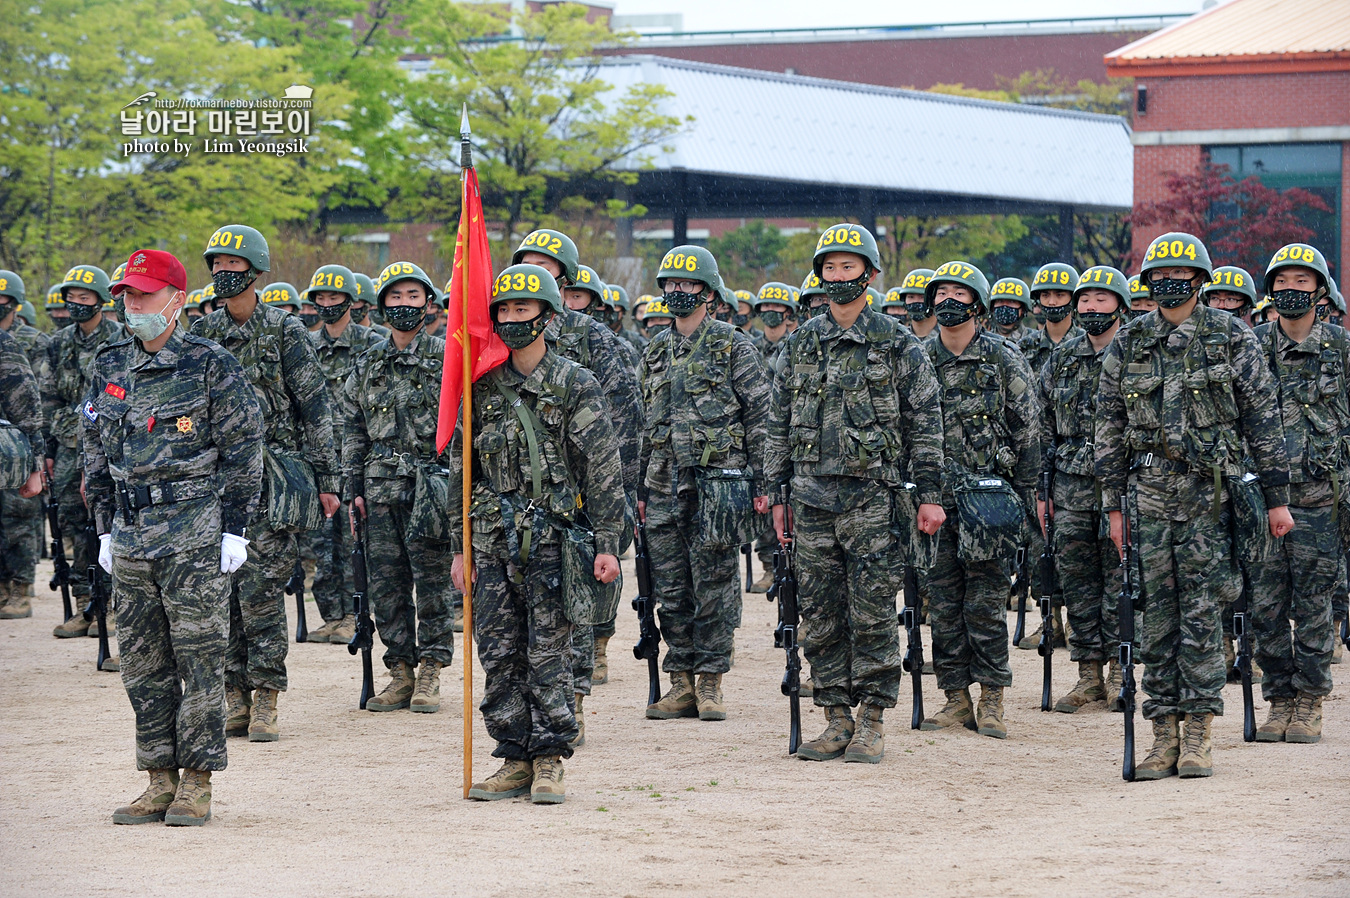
(1177, 250)
(963, 273)
(555, 245)
(847, 238)
(1231, 279)
(690, 263)
(239, 240)
(527, 281)
(1298, 255)
(1015, 289)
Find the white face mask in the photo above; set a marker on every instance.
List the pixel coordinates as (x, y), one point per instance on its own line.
(149, 326)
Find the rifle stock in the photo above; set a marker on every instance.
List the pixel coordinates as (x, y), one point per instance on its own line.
(296, 587)
(913, 660)
(648, 646)
(60, 567)
(97, 609)
(1125, 611)
(364, 639)
(1046, 647)
(784, 591)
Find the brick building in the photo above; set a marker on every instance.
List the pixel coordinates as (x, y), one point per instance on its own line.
(1262, 86)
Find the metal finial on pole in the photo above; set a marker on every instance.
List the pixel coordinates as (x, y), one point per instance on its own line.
(465, 147)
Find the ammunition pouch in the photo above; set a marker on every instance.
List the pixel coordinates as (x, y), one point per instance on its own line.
(726, 510)
(17, 462)
(991, 519)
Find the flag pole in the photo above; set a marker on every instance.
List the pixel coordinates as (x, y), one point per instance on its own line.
(466, 163)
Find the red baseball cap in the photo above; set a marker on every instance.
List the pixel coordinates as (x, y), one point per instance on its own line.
(151, 270)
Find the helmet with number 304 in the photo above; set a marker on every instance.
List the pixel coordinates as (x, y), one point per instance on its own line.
(403, 271)
(525, 281)
(1015, 289)
(332, 279)
(963, 273)
(87, 277)
(847, 238)
(777, 292)
(690, 263)
(1176, 250)
(1054, 276)
(1231, 279)
(1298, 255)
(239, 240)
(1104, 277)
(555, 245)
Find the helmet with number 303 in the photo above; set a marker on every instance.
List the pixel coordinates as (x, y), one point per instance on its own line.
(1298, 255)
(555, 245)
(1231, 279)
(525, 281)
(1177, 250)
(239, 240)
(963, 273)
(847, 238)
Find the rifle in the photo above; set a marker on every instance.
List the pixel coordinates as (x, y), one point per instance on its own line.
(913, 661)
(61, 568)
(1242, 637)
(97, 609)
(364, 639)
(746, 550)
(648, 646)
(1023, 592)
(784, 591)
(296, 587)
(1046, 648)
(1126, 612)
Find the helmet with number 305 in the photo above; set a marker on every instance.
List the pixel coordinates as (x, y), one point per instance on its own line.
(403, 271)
(527, 281)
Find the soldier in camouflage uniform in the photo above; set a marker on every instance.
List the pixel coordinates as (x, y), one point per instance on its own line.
(1011, 306)
(1309, 360)
(56, 307)
(1087, 564)
(775, 304)
(1181, 390)
(854, 431)
(338, 343)
(173, 458)
(365, 297)
(278, 359)
(84, 291)
(545, 449)
(1141, 301)
(920, 319)
(20, 408)
(706, 395)
(894, 305)
(1232, 290)
(989, 413)
(390, 402)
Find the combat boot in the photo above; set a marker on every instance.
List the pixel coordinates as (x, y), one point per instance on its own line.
(957, 712)
(426, 697)
(344, 631)
(708, 697)
(761, 586)
(989, 713)
(192, 805)
(17, 604)
(868, 745)
(1031, 640)
(1087, 690)
(679, 701)
(324, 633)
(238, 709)
(262, 722)
(1337, 647)
(1059, 633)
(1115, 681)
(458, 624)
(1306, 723)
(511, 780)
(1277, 720)
(1196, 747)
(1162, 757)
(600, 670)
(835, 740)
(547, 787)
(154, 801)
(76, 626)
(580, 740)
(398, 693)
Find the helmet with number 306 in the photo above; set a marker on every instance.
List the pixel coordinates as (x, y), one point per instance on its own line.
(689, 263)
(527, 281)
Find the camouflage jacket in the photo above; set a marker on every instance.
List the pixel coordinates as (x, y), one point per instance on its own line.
(707, 406)
(337, 358)
(1036, 345)
(278, 358)
(593, 346)
(19, 402)
(769, 350)
(851, 409)
(181, 425)
(36, 345)
(1177, 404)
(638, 341)
(1019, 335)
(989, 411)
(67, 383)
(1312, 380)
(578, 458)
(390, 405)
(1067, 393)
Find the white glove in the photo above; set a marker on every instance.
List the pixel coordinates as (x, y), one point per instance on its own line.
(105, 552)
(233, 553)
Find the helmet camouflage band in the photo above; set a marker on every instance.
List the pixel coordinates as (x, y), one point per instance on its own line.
(587, 279)
(1176, 250)
(689, 263)
(811, 286)
(1104, 277)
(1137, 288)
(1054, 276)
(331, 279)
(554, 244)
(847, 238)
(779, 292)
(54, 298)
(280, 293)
(963, 273)
(1015, 289)
(916, 282)
(525, 281)
(403, 271)
(11, 285)
(1231, 279)
(239, 240)
(1301, 255)
(87, 277)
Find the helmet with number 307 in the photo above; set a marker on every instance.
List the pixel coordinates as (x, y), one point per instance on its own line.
(1298, 255)
(847, 238)
(963, 273)
(527, 281)
(555, 245)
(1015, 289)
(689, 263)
(1231, 279)
(1177, 250)
(239, 240)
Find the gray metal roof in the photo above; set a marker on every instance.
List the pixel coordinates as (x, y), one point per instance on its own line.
(762, 125)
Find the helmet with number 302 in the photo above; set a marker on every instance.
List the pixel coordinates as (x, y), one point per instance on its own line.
(87, 277)
(963, 273)
(403, 271)
(555, 245)
(239, 240)
(1231, 279)
(1177, 250)
(847, 238)
(1298, 255)
(1015, 289)
(690, 263)
(527, 281)
(1104, 277)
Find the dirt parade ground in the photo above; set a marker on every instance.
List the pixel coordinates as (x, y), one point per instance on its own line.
(356, 803)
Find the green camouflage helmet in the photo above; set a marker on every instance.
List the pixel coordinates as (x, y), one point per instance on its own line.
(726, 295)
(1175, 249)
(87, 277)
(1297, 255)
(847, 238)
(1054, 276)
(365, 288)
(28, 313)
(916, 282)
(239, 240)
(554, 244)
(11, 285)
(777, 292)
(54, 298)
(1337, 299)
(745, 296)
(811, 286)
(689, 263)
(525, 281)
(894, 298)
(589, 280)
(331, 279)
(874, 297)
(280, 293)
(619, 298)
(1138, 289)
(958, 272)
(1015, 289)
(1104, 277)
(194, 299)
(403, 271)
(208, 293)
(1231, 279)
(656, 308)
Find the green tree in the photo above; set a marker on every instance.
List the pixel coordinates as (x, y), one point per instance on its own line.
(749, 255)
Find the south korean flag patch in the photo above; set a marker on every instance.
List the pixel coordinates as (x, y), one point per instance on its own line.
(88, 412)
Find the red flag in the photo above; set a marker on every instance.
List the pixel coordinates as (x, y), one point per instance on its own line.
(472, 272)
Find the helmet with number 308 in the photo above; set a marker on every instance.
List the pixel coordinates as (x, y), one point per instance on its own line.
(239, 240)
(1015, 289)
(963, 273)
(1298, 255)
(847, 238)
(527, 281)
(87, 277)
(403, 271)
(1176, 250)
(1231, 279)
(555, 245)
(689, 263)
(1104, 277)
(1054, 276)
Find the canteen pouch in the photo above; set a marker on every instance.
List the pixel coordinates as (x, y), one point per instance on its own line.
(1252, 541)
(586, 601)
(429, 518)
(990, 517)
(291, 492)
(16, 457)
(726, 509)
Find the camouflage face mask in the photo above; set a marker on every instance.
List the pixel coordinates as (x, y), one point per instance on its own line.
(1171, 292)
(331, 314)
(1007, 316)
(771, 318)
(1096, 323)
(846, 291)
(1056, 313)
(519, 334)
(232, 283)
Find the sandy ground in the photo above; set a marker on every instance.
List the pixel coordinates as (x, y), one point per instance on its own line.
(355, 803)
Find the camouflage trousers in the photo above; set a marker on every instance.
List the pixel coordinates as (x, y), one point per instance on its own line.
(172, 615)
(333, 587)
(697, 588)
(409, 588)
(765, 543)
(1297, 584)
(846, 596)
(967, 611)
(1087, 567)
(1187, 571)
(19, 518)
(525, 647)
(72, 514)
(256, 656)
